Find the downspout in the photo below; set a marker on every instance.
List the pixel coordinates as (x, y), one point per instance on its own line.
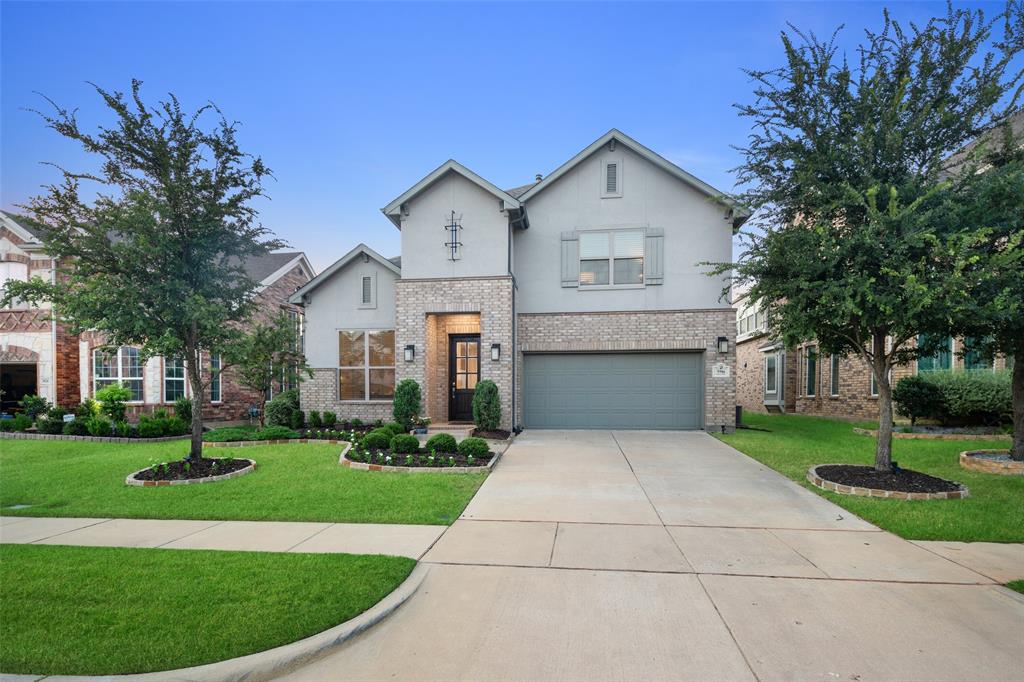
(515, 325)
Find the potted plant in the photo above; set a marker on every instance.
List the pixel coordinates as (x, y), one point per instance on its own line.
(419, 424)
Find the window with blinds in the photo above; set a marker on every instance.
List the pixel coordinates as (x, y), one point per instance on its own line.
(611, 258)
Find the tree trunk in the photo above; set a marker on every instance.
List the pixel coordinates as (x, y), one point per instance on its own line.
(263, 410)
(1017, 383)
(880, 368)
(193, 366)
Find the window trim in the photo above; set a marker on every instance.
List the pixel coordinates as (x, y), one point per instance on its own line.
(611, 232)
(164, 379)
(617, 162)
(775, 389)
(120, 379)
(810, 379)
(215, 379)
(366, 367)
(372, 276)
(833, 376)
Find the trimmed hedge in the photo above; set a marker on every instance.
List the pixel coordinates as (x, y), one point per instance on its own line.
(407, 403)
(378, 439)
(281, 409)
(474, 447)
(956, 397)
(396, 429)
(442, 442)
(405, 444)
(486, 406)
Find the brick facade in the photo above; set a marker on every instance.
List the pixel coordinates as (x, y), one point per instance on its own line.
(683, 330)
(321, 393)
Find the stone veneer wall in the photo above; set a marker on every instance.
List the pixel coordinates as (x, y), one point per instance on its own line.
(420, 305)
(696, 330)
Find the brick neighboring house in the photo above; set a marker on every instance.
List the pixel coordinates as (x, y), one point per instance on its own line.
(579, 295)
(38, 355)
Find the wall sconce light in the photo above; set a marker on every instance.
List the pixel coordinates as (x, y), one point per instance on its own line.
(495, 352)
(410, 352)
(723, 344)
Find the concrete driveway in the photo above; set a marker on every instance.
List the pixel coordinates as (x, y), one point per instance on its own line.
(628, 555)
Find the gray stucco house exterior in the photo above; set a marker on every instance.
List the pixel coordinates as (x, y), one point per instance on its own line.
(579, 295)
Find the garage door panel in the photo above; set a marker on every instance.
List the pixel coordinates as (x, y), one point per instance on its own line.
(613, 390)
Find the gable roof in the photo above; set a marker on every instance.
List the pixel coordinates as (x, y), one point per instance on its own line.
(957, 159)
(394, 210)
(739, 215)
(260, 268)
(24, 227)
(338, 265)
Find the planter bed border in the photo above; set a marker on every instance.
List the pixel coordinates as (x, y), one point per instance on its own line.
(22, 435)
(934, 436)
(364, 466)
(815, 478)
(278, 441)
(131, 480)
(1007, 467)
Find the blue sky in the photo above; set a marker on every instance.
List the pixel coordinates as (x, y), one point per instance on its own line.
(350, 104)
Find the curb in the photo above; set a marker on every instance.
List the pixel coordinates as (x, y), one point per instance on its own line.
(266, 665)
(816, 480)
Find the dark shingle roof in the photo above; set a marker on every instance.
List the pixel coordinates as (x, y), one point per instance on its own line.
(958, 158)
(260, 267)
(397, 260)
(32, 226)
(517, 192)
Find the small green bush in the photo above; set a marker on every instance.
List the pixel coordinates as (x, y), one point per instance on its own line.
(227, 434)
(176, 426)
(183, 410)
(53, 423)
(123, 430)
(395, 428)
(473, 447)
(916, 397)
(405, 444)
(486, 406)
(378, 439)
(406, 404)
(75, 428)
(330, 419)
(275, 433)
(280, 410)
(87, 408)
(314, 421)
(20, 422)
(442, 443)
(112, 399)
(150, 427)
(34, 405)
(298, 419)
(98, 426)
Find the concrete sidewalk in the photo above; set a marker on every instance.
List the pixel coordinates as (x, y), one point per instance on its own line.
(251, 536)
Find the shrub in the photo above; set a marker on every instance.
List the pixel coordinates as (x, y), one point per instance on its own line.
(176, 426)
(34, 405)
(442, 442)
(87, 408)
(474, 447)
(183, 410)
(406, 404)
(112, 399)
(395, 428)
(123, 429)
(405, 444)
(356, 423)
(330, 419)
(227, 434)
(275, 433)
(53, 423)
(378, 439)
(21, 422)
(150, 427)
(75, 428)
(280, 410)
(916, 397)
(98, 426)
(298, 419)
(973, 397)
(486, 406)
(314, 420)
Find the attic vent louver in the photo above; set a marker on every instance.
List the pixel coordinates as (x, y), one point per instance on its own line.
(367, 290)
(612, 178)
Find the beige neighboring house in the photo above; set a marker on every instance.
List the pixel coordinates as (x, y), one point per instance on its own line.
(579, 295)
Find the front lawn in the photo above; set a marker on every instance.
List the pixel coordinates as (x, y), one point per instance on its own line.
(794, 443)
(99, 611)
(292, 482)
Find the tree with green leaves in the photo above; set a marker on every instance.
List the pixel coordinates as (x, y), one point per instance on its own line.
(845, 170)
(267, 352)
(988, 209)
(155, 257)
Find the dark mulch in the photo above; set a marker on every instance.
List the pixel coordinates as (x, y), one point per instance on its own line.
(421, 459)
(902, 480)
(175, 471)
(496, 434)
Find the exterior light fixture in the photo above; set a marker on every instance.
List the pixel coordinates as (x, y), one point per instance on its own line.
(723, 344)
(495, 352)
(410, 352)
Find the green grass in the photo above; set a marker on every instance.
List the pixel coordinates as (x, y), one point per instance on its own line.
(97, 611)
(793, 443)
(292, 482)
(1017, 586)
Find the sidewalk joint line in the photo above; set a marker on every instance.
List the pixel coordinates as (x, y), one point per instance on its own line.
(728, 629)
(63, 532)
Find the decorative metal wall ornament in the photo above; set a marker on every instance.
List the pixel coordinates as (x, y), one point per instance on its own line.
(453, 228)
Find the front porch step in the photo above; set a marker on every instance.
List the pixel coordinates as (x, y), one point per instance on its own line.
(458, 430)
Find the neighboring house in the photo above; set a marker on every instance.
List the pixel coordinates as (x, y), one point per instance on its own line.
(38, 355)
(580, 295)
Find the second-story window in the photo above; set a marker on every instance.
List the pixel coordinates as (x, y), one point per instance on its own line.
(610, 258)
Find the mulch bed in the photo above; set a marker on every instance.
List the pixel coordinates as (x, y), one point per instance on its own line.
(901, 480)
(496, 434)
(419, 460)
(202, 469)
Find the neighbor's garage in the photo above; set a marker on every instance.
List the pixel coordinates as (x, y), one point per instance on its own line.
(613, 390)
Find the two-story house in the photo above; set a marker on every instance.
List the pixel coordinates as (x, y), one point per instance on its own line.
(40, 356)
(580, 295)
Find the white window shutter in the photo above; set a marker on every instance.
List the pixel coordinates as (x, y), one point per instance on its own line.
(570, 259)
(654, 258)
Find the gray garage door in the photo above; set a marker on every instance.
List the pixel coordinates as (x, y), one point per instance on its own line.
(613, 390)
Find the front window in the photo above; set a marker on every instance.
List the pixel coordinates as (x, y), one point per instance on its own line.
(811, 370)
(940, 360)
(771, 377)
(834, 376)
(215, 378)
(366, 365)
(118, 365)
(973, 358)
(174, 379)
(612, 258)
